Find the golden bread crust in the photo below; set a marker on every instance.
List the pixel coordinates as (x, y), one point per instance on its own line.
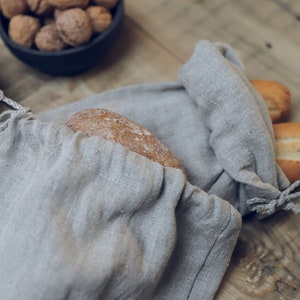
(287, 137)
(114, 127)
(276, 96)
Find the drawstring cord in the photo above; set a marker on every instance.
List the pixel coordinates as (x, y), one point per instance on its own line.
(12, 103)
(18, 108)
(287, 201)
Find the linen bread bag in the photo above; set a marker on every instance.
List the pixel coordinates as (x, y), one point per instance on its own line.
(85, 218)
(214, 121)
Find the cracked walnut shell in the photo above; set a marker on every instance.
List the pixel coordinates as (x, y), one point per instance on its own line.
(74, 26)
(22, 29)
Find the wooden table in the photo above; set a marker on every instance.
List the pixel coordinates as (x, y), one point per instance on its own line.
(157, 38)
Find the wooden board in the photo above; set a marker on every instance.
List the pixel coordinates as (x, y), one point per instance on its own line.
(157, 38)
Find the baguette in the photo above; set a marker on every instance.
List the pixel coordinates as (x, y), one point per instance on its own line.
(276, 96)
(117, 128)
(287, 137)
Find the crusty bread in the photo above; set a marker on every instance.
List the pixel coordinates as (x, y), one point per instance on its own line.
(114, 127)
(277, 97)
(287, 136)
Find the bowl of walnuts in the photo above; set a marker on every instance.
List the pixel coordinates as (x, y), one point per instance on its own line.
(60, 37)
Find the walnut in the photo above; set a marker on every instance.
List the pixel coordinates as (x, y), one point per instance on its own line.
(48, 39)
(12, 8)
(40, 7)
(74, 26)
(106, 3)
(64, 4)
(100, 17)
(22, 29)
(57, 12)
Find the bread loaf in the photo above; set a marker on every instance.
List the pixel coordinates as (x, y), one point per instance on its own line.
(276, 96)
(114, 127)
(287, 137)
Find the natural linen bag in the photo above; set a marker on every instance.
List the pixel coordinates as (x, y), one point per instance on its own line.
(84, 218)
(214, 122)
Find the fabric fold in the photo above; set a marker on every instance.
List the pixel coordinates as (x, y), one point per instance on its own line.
(241, 130)
(84, 218)
(213, 121)
(197, 278)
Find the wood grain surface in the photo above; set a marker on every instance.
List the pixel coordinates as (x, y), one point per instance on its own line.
(158, 36)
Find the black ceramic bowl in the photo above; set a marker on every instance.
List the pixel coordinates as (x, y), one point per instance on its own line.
(70, 61)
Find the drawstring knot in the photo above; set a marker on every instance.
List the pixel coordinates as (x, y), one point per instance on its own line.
(287, 201)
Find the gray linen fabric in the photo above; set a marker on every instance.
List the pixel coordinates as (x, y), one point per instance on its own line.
(84, 218)
(215, 123)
